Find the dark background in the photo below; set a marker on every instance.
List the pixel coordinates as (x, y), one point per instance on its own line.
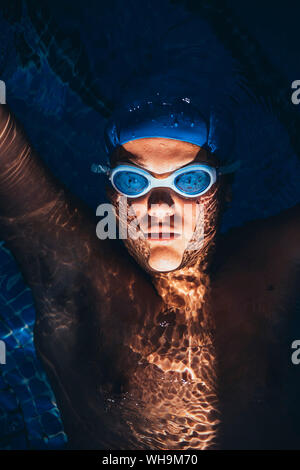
(67, 65)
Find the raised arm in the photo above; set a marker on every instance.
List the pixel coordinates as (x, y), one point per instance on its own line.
(26, 185)
(39, 219)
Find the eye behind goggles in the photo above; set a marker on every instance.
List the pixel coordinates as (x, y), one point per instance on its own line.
(190, 181)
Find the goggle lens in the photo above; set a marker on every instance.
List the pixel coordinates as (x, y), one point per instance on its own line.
(193, 182)
(130, 182)
(188, 182)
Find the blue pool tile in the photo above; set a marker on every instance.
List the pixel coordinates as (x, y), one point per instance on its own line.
(34, 427)
(50, 423)
(11, 341)
(4, 330)
(27, 369)
(37, 443)
(29, 410)
(13, 377)
(28, 315)
(2, 382)
(18, 302)
(18, 442)
(23, 392)
(8, 400)
(58, 441)
(38, 387)
(11, 423)
(43, 403)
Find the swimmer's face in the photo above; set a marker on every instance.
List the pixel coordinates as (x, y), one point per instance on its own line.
(165, 219)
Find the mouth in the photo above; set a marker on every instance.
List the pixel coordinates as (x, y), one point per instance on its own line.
(162, 236)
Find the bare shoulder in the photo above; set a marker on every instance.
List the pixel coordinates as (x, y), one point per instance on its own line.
(289, 232)
(256, 270)
(255, 298)
(262, 242)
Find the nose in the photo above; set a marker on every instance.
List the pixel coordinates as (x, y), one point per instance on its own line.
(160, 204)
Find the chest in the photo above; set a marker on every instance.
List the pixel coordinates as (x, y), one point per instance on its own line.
(132, 369)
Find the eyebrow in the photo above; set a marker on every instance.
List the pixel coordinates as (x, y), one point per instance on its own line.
(146, 169)
(122, 156)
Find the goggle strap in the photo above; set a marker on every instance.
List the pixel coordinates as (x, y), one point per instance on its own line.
(223, 170)
(226, 169)
(98, 168)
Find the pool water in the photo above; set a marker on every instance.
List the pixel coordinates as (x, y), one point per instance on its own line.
(64, 70)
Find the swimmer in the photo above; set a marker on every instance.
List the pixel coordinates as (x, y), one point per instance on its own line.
(176, 339)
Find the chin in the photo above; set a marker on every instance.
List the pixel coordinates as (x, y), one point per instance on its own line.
(164, 259)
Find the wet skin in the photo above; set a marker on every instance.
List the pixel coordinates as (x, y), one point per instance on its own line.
(194, 358)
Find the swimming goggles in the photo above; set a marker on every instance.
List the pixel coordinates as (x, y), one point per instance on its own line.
(190, 181)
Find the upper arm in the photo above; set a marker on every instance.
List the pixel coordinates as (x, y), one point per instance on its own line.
(289, 233)
(26, 185)
(39, 219)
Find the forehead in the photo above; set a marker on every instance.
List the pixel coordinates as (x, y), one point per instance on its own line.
(159, 155)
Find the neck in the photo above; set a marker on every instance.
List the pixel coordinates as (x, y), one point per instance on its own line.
(188, 350)
(186, 292)
(183, 289)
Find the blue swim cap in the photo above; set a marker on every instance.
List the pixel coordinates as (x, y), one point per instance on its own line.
(172, 118)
